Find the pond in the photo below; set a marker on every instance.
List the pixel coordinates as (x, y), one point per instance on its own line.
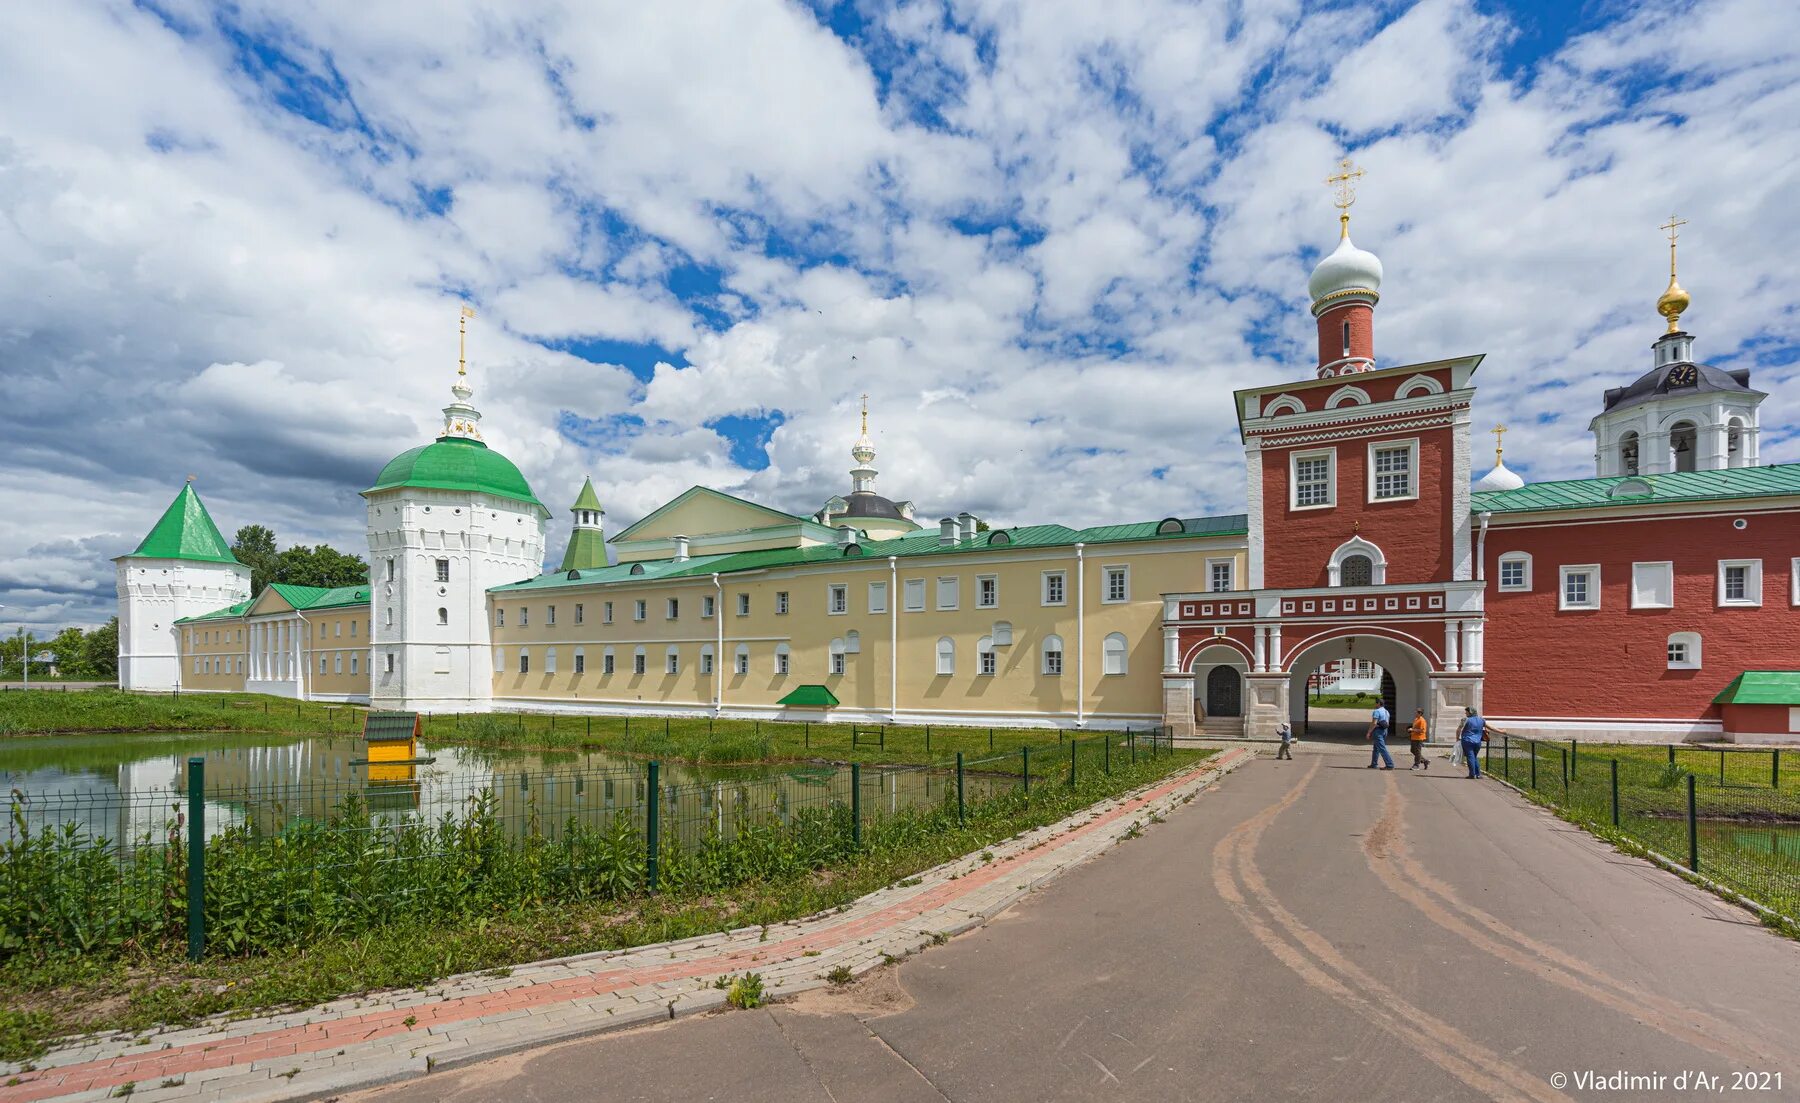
(133, 787)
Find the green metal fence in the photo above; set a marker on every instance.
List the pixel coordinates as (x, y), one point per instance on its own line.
(1730, 814)
(244, 868)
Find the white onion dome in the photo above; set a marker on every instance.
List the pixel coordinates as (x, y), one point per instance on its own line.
(1346, 269)
(1500, 478)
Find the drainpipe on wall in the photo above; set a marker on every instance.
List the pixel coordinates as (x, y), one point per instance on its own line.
(893, 604)
(1481, 549)
(1080, 639)
(719, 650)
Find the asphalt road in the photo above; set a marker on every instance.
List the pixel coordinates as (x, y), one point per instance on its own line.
(1307, 929)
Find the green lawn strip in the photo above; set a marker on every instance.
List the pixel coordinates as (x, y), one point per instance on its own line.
(144, 985)
(1345, 700)
(50, 712)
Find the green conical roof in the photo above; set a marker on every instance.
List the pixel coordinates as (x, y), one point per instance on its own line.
(186, 531)
(587, 550)
(456, 463)
(587, 499)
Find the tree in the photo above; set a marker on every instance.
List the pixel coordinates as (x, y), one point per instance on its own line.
(101, 659)
(70, 648)
(254, 546)
(320, 565)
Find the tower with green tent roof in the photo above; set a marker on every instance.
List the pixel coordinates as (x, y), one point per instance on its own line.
(182, 567)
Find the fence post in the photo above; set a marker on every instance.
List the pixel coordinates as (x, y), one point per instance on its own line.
(196, 871)
(856, 805)
(1131, 741)
(1506, 757)
(990, 739)
(1615, 792)
(590, 727)
(1565, 772)
(883, 743)
(1533, 748)
(1775, 768)
(1693, 830)
(1025, 754)
(1671, 754)
(665, 727)
(653, 829)
(928, 743)
(1574, 746)
(959, 789)
(809, 735)
(1106, 754)
(1073, 743)
(1721, 767)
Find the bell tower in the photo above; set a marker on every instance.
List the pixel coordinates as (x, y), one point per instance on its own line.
(1345, 287)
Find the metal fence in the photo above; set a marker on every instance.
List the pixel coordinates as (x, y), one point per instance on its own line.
(1730, 814)
(248, 867)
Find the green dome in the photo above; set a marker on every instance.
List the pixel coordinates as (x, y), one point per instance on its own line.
(456, 463)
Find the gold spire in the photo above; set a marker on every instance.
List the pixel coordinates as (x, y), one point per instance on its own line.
(865, 415)
(1344, 181)
(1675, 299)
(462, 339)
(1499, 431)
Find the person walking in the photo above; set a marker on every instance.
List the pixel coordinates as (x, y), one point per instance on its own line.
(1416, 736)
(1286, 732)
(1379, 720)
(1470, 734)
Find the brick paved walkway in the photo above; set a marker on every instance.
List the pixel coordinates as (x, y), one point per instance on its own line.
(382, 1037)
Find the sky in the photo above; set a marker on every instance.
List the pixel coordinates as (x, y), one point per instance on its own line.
(1046, 237)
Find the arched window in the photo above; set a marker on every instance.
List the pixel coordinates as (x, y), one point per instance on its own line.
(706, 658)
(524, 662)
(1683, 448)
(781, 658)
(837, 657)
(640, 661)
(1356, 562)
(986, 662)
(1684, 651)
(1346, 338)
(580, 661)
(606, 660)
(1113, 653)
(1734, 443)
(499, 661)
(852, 642)
(443, 615)
(946, 655)
(549, 660)
(743, 659)
(672, 660)
(1628, 454)
(1051, 652)
(1356, 570)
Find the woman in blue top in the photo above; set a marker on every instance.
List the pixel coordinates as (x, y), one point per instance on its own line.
(1471, 732)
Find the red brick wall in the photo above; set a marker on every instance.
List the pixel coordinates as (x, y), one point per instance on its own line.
(1613, 661)
(1415, 534)
(1331, 332)
(1756, 719)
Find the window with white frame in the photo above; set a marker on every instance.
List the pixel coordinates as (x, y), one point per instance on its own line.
(607, 660)
(1684, 651)
(323, 659)
(673, 611)
(837, 599)
(743, 602)
(524, 661)
(877, 597)
(1392, 467)
(852, 642)
(1580, 587)
(1653, 585)
(706, 658)
(390, 568)
(948, 592)
(1218, 575)
(1740, 582)
(946, 655)
(837, 656)
(781, 658)
(640, 661)
(1113, 654)
(781, 602)
(1311, 478)
(578, 617)
(606, 612)
(549, 660)
(1056, 588)
(1515, 571)
(580, 661)
(985, 660)
(1116, 586)
(550, 614)
(987, 591)
(443, 570)
(706, 606)
(1052, 653)
(915, 595)
(743, 658)
(499, 662)
(672, 660)
(640, 609)
(337, 627)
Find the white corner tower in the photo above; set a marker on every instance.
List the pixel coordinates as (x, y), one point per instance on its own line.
(447, 521)
(182, 568)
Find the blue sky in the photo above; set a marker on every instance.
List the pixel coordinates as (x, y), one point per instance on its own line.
(1046, 238)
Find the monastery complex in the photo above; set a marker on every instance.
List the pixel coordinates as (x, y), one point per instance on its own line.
(1658, 600)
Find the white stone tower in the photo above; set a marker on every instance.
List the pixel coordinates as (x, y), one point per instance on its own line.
(447, 520)
(182, 568)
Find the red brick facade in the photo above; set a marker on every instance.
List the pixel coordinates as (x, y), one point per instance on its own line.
(1361, 318)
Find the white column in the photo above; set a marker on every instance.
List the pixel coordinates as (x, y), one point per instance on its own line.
(1473, 633)
(256, 652)
(1452, 629)
(1262, 662)
(1274, 647)
(1171, 649)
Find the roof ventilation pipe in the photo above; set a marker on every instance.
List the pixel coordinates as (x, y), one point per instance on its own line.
(681, 549)
(966, 522)
(947, 531)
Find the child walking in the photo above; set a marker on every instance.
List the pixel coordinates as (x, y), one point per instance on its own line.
(1286, 732)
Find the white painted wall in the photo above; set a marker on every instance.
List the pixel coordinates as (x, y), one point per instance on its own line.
(154, 594)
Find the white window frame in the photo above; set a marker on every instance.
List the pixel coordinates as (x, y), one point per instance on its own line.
(987, 663)
(608, 663)
(835, 661)
(1753, 584)
(953, 584)
(877, 597)
(944, 654)
(741, 664)
(1294, 458)
(1062, 580)
(1109, 653)
(1689, 640)
(837, 599)
(578, 613)
(1592, 570)
(606, 613)
(1411, 444)
(549, 614)
(706, 658)
(781, 660)
(672, 608)
(987, 591)
(1230, 565)
(524, 619)
(524, 661)
(1664, 568)
(1107, 571)
(743, 605)
(443, 570)
(549, 660)
(913, 595)
(580, 666)
(672, 660)
(707, 606)
(1794, 582)
(781, 603)
(640, 662)
(1522, 558)
(499, 661)
(640, 610)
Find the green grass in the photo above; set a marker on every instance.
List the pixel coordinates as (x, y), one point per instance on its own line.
(48, 990)
(1345, 700)
(48, 712)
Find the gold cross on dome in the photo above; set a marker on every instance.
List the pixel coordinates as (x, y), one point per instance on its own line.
(1499, 431)
(1344, 181)
(462, 340)
(1673, 226)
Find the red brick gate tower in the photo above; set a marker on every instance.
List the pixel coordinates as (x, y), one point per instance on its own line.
(1360, 533)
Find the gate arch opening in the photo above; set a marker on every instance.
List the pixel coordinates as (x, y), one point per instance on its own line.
(1404, 682)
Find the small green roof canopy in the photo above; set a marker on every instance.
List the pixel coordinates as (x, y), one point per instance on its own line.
(810, 697)
(381, 726)
(186, 531)
(456, 463)
(1762, 687)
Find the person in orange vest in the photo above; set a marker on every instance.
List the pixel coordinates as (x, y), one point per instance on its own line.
(1416, 736)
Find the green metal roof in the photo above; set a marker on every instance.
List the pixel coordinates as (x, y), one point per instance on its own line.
(915, 544)
(777, 515)
(219, 614)
(586, 550)
(1762, 687)
(454, 463)
(321, 597)
(810, 697)
(185, 531)
(587, 499)
(1669, 486)
(383, 726)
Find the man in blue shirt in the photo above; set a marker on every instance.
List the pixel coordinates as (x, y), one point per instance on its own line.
(1470, 734)
(1378, 732)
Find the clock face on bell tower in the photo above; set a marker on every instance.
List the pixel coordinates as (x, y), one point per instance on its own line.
(1681, 375)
